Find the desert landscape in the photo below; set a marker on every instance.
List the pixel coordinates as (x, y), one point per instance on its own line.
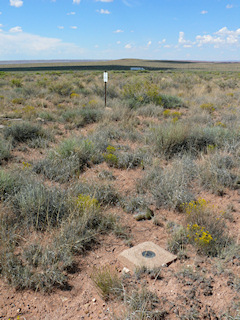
(80, 182)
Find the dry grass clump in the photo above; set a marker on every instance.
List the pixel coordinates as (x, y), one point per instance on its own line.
(143, 304)
(107, 281)
(69, 159)
(218, 171)
(171, 139)
(170, 187)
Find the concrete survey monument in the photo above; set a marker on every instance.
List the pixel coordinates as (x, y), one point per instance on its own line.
(146, 254)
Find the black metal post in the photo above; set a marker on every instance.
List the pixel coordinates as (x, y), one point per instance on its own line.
(105, 94)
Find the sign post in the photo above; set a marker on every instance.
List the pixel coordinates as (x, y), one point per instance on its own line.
(105, 79)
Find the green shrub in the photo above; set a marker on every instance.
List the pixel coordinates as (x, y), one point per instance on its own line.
(169, 102)
(16, 83)
(47, 116)
(18, 101)
(123, 159)
(105, 194)
(5, 150)
(12, 181)
(62, 88)
(73, 116)
(140, 93)
(134, 204)
(209, 107)
(24, 131)
(57, 168)
(178, 240)
(90, 115)
(110, 156)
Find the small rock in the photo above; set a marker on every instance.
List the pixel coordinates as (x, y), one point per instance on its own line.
(94, 300)
(139, 216)
(125, 270)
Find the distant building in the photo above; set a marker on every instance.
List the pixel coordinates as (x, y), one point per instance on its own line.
(136, 68)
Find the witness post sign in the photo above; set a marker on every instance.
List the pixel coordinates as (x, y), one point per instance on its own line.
(105, 76)
(105, 79)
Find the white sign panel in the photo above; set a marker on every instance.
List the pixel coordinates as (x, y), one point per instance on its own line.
(105, 77)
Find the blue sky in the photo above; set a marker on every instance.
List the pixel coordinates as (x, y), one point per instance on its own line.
(115, 29)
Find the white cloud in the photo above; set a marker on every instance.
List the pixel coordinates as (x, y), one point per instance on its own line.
(224, 31)
(162, 41)
(76, 1)
(130, 3)
(104, 0)
(16, 29)
(71, 13)
(149, 43)
(181, 39)
(73, 27)
(204, 12)
(128, 46)
(16, 3)
(118, 42)
(118, 31)
(229, 6)
(0, 12)
(20, 45)
(102, 11)
(220, 38)
(61, 27)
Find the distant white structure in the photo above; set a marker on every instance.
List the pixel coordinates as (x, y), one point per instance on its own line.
(136, 68)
